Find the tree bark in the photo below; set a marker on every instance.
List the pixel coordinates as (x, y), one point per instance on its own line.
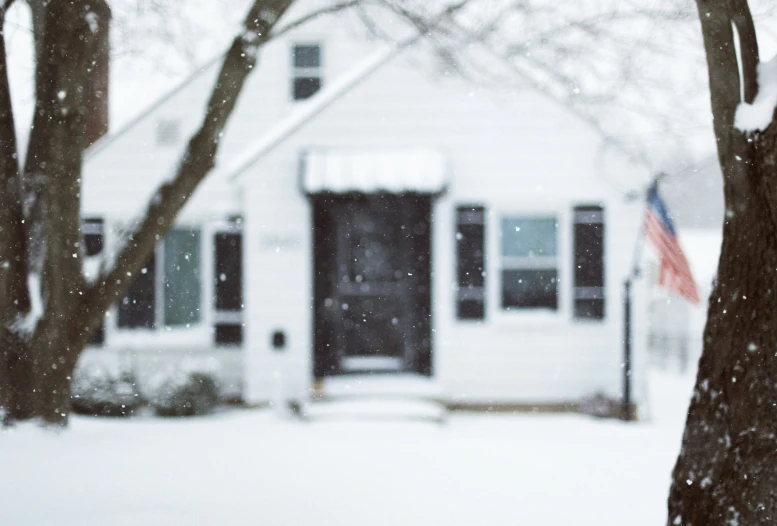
(13, 271)
(726, 472)
(57, 140)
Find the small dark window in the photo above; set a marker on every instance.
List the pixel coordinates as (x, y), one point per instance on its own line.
(92, 229)
(588, 284)
(306, 87)
(229, 334)
(137, 307)
(470, 262)
(306, 79)
(307, 56)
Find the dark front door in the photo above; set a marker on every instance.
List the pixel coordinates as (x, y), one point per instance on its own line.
(372, 284)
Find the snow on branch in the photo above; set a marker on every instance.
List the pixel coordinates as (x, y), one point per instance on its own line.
(25, 324)
(758, 115)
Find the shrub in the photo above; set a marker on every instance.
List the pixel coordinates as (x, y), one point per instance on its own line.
(185, 391)
(600, 406)
(95, 390)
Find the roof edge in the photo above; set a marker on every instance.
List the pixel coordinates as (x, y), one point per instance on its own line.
(110, 138)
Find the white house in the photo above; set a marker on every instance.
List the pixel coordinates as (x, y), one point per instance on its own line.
(418, 225)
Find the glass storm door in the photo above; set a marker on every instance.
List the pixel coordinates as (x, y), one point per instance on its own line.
(372, 284)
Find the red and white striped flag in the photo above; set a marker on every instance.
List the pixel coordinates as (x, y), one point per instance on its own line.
(659, 229)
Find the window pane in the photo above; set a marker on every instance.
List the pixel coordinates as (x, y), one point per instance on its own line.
(305, 87)
(528, 236)
(136, 309)
(182, 277)
(529, 289)
(229, 272)
(308, 56)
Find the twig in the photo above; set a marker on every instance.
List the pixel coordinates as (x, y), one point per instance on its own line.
(335, 8)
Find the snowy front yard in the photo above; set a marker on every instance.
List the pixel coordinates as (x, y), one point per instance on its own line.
(252, 468)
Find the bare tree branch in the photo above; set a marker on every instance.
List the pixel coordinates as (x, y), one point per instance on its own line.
(197, 161)
(722, 63)
(315, 14)
(748, 47)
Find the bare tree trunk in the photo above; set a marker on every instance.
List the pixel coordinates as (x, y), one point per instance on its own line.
(57, 141)
(726, 472)
(68, 44)
(13, 270)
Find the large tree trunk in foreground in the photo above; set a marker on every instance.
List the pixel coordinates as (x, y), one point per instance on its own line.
(14, 299)
(726, 472)
(71, 43)
(57, 141)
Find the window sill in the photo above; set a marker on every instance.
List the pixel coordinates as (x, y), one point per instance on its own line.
(529, 317)
(168, 338)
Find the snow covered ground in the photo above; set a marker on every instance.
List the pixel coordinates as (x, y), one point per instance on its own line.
(242, 467)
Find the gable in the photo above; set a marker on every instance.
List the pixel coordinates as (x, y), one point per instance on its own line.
(493, 137)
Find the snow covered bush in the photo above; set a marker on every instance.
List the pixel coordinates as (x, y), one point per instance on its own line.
(186, 390)
(600, 406)
(96, 390)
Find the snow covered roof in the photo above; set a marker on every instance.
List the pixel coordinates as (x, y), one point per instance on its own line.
(374, 170)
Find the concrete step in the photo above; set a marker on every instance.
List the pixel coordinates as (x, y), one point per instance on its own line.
(381, 408)
(391, 386)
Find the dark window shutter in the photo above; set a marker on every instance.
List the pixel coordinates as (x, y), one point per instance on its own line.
(470, 262)
(229, 272)
(588, 291)
(92, 231)
(229, 334)
(137, 307)
(228, 284)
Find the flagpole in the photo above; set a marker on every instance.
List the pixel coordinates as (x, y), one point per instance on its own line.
(634, 273)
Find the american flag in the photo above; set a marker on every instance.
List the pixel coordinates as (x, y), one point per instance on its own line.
(660, 230)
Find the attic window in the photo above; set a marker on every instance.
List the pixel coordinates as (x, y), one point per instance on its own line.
(306, 70)
(167, 132)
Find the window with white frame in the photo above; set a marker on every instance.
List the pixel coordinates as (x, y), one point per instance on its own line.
(167, 291)
(529, 257)
(306, 70)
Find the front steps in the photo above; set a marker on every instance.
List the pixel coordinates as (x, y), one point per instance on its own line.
(377, 397)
